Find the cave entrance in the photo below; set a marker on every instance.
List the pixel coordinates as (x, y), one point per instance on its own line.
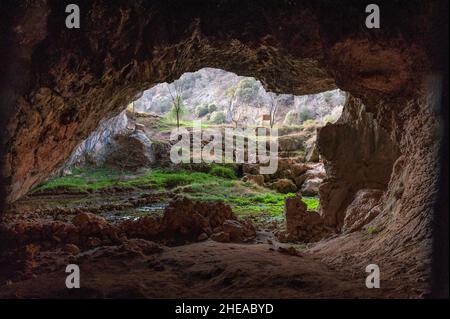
(387, 130)
(129, 159)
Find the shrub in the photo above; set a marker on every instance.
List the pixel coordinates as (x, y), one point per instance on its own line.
(222, 171)
(212, 108)
(305, 114)
(201, 110)
(218, 118)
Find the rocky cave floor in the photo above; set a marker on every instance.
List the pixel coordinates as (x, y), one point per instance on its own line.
(117, 261)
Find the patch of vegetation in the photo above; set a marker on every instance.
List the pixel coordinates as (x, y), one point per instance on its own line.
(372, 230)
(222, 171)
(218, 184)
(82, 179)
(218, 117)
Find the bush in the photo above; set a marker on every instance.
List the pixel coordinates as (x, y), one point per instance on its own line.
(222, 171)
(218, 118)
(212, 108)
(305, 114)
(201, 110)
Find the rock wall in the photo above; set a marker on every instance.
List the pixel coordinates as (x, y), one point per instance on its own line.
(122, 49)
(62, 83)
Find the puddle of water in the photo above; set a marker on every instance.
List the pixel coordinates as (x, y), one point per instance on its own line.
(136, 212)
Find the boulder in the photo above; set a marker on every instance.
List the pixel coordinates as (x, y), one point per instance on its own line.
(255, 179)
(131, 151)
(311, 187)
(89, 223)
(312, 154)
(284, 186)
(235, 229)
(301, 225)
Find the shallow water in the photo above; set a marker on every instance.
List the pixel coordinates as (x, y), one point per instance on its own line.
(136, 212)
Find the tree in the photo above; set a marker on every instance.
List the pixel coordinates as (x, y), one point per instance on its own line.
(273, 108)
(218, 117)
(247, 89)
(177, 102)
(305, 114)
(237, 115)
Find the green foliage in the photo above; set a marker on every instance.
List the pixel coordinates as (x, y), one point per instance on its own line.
(201, 110)
(218, 184)
(204, 109)
(246, 90)
(372, 230)
(212, 108)
(218, 118)
(305, 114)
(222, 171)
(82, 179)
(178, 109)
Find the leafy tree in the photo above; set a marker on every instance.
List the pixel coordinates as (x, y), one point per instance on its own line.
(247, 89)
(201, 110)
(218, 117)
(212, 107)
(305, 114)
(178, 109)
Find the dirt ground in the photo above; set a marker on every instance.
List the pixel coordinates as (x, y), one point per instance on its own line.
(201, 270)
(137, 268)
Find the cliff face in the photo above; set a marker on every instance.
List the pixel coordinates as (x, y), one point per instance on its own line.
(64, 82)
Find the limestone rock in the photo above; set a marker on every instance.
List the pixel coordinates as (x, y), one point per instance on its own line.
(131, 151)
(284, 186)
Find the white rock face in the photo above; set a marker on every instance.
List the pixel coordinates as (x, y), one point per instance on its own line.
(95, 148)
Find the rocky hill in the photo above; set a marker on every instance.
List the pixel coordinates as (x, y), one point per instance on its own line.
(217, 89)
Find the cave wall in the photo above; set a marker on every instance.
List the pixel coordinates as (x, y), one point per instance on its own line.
(62, 83)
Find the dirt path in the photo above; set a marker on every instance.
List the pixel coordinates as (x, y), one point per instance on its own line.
(201, 270)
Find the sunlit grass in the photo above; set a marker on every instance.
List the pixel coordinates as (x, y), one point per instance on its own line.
(219, 184)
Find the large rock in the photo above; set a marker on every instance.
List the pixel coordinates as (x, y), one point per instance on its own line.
(301, 225)
(131, 151)
(310, 187)
(95, 148)
(284, 186)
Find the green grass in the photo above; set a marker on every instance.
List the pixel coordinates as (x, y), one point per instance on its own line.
(83, 179)
(218, 184)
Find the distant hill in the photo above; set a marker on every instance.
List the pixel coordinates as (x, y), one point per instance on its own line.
(217, 87)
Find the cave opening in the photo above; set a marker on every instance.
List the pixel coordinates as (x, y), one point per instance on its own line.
(219, 230)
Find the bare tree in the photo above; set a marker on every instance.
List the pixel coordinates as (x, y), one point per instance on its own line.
(273, 108)
(237, 115)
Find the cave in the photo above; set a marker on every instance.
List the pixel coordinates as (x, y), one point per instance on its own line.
(382, 156)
